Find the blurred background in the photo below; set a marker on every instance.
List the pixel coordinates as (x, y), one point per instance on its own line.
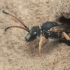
(15, 52)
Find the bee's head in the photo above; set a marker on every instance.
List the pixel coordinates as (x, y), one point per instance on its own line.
(33, 33)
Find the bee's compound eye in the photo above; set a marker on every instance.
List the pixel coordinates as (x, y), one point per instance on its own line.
(35, 33)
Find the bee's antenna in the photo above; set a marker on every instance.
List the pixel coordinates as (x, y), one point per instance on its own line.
(17, 20)
(16, 27)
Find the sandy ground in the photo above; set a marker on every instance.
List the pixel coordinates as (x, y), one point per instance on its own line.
(15, 52)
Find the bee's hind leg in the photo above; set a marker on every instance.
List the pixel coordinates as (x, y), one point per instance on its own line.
(64, 35)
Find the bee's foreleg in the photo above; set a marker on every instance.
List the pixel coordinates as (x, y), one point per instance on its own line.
(64, 35)
(42, 39)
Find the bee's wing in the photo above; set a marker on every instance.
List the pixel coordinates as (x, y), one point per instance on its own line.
(61, 28)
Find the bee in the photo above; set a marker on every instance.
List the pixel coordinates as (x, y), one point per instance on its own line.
(48, 31)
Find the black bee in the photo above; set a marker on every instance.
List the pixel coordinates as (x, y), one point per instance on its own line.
(49, 30)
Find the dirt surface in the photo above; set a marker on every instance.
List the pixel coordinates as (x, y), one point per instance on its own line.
(15, 52)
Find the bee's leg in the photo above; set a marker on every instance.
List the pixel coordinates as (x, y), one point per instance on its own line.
(42, 39)
(64, 35)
